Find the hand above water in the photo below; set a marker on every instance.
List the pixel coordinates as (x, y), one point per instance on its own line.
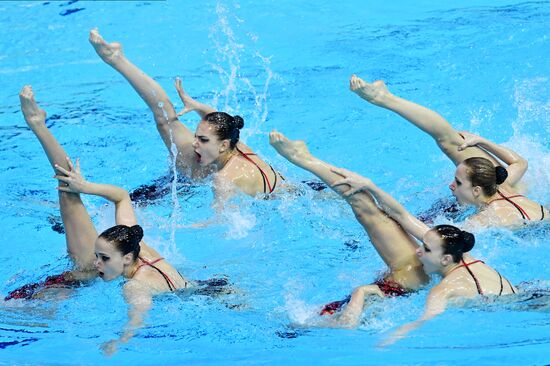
(189, 104)
(72, 180)
(356, 182)
(470, 139)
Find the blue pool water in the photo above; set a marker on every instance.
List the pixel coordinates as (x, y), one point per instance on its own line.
(285, 65)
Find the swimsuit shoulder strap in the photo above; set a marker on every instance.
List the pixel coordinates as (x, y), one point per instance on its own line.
(466, 265)
(263, 174)
(542, 212)
(511, 287)
(145, 262)
(501, 286)
(522, 212)
(169, 282)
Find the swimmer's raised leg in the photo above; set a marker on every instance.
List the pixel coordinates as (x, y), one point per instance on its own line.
(446, 137)
(168, 125)
(393, 244)
(396, 248)
(80, 232)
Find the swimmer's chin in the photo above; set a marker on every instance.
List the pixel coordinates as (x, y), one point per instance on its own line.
(102, 276)
(460, 203)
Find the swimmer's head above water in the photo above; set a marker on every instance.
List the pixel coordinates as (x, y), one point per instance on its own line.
(475, 180)
(116, 249)
(444, 245)
(216, 136)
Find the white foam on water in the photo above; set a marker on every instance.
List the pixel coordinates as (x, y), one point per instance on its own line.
(532, 105)
(239, 223)
(298, 311)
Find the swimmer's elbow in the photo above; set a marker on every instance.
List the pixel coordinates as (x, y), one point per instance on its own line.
(122, 196)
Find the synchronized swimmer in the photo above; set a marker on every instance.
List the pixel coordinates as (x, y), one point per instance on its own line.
(479, 179)
(118, 251)
(214, 148)
(487, 175)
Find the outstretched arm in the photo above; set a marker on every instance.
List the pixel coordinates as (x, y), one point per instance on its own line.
(435, 305)
(393, 208)
(139, 299)
(351, 314)
(75, 183)
(190, 104)
(517, 165)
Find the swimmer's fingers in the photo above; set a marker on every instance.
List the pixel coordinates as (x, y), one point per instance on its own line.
(181, 92)
(470, 139)
(177, 84)
(340, 182)
(185, 111)
(188, 102)
(344, 173)
(65, 189)
(354, 190)
(62, 170)
(65, 185)
(463, 146)
(70, 163)
(63, 178)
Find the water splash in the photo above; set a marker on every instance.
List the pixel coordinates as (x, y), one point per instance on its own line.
(176, 208)
(239, 224)
(298, 311)
(230, 51)
(170, 249)
(533, 114)
(533, 105)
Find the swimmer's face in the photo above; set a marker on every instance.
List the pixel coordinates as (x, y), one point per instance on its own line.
(461, 187)
(431, 252)
(207, 145)
(109, 261)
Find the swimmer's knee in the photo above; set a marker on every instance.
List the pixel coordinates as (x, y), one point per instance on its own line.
(363, 209)
(164, 122)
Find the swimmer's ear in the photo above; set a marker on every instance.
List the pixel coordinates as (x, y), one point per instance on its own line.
(127, 259)
(224, 146)
(446, 260)
(477, 191)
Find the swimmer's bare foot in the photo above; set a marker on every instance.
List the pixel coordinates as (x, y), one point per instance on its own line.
(294, 151)
(34, 116)
(375, 93)
(109, 52)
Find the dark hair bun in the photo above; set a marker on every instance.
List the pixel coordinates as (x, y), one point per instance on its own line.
(239, 121)
(135, 234)
(501, 174)
(468, 240)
